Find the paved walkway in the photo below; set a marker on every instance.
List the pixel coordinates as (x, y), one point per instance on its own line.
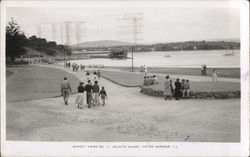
(128, 116)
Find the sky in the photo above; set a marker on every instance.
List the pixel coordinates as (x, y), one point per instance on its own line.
(154, 24)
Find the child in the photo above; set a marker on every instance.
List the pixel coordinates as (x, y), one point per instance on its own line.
(103, 96)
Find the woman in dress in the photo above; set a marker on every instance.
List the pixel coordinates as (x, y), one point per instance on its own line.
(80, 96)
(167, 85)
(215, 75)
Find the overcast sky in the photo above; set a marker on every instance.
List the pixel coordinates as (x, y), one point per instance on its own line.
(156, 24)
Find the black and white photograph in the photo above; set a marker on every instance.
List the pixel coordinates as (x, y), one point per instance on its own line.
(125, 71)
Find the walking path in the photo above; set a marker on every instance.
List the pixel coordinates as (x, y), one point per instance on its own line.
(128, 116)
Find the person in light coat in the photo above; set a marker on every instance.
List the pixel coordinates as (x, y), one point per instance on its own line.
(167, 85)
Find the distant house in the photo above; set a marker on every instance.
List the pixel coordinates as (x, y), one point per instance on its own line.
(118, 53)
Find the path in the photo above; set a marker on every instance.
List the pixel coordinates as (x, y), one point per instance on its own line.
(128, 116)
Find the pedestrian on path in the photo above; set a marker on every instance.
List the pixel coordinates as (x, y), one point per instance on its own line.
(80, 96)
(99, 74)
(103, 95)
(65, 90)
(178, 93)
(96, 90)
(88, 76)
(89, 89)
(167, 85)
(95, 76)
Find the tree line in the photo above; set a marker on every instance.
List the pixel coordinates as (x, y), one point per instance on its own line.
(18, 45)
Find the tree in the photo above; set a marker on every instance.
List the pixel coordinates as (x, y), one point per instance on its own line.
(15, 40)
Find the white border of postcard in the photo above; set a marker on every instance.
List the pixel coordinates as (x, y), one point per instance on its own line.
(26, 148)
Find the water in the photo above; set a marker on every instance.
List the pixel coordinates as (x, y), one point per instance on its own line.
(212, 58)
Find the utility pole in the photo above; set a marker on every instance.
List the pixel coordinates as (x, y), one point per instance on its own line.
(135, 23)
(78, 32)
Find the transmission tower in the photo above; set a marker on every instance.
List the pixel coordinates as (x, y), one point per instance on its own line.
(134, 26)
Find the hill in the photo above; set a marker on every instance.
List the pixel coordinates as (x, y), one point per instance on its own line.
(101, 43)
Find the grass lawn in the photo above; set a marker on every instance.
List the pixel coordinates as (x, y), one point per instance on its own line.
(30, 82)
(135, 79)
(222, 72)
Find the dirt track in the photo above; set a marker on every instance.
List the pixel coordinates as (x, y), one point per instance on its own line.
(128, 116)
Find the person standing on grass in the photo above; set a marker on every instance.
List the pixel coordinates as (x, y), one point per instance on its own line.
(215, 75)
(96, 90)
(80, 96)
(167, 86)
(65, 90)
(178, 93)
(103, 95)
(202, 70)
(89, 89)
(205, 69)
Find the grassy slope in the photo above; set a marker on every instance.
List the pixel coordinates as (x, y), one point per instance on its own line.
(222, 72)
(135, 79)
(29, 82)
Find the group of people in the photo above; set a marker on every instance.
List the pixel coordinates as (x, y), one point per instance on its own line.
(204, 70)
(92, 91)
(150, 80)
(144, 69)
(96, 75)
(75, 66)
(181, 90)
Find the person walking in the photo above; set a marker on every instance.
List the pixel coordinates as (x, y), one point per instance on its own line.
(178, 93)
(167, 86)
(99, 74)
(88, 76)
(80, 96)
(95, 76)
(88, 89)
(103, 95)
(215, 76)
(96, 90)
(145, 70)
(65, 90)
